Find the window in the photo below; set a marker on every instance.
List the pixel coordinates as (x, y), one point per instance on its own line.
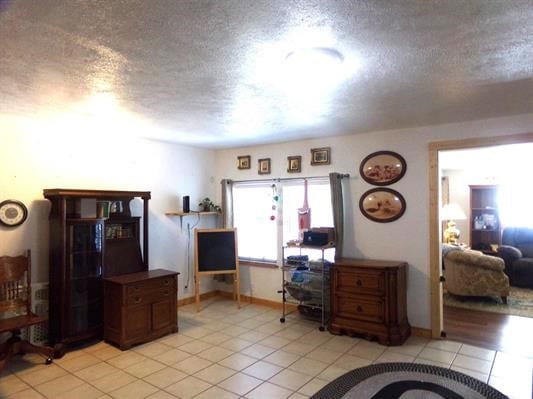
(264, 224)
(252, 211)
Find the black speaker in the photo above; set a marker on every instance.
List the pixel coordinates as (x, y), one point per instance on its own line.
(186, 204)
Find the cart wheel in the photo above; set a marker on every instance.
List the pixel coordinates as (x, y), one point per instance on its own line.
(49, 360)
(282, 320)
(321, 328)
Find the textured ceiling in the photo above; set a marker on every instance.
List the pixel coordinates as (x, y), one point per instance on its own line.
(213, 73)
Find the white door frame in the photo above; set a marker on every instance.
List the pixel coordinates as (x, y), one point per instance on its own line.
(434, 224)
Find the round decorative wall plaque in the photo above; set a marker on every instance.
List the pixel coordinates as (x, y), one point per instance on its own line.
(12, 213)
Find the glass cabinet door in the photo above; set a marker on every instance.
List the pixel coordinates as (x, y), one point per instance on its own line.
(84, 275)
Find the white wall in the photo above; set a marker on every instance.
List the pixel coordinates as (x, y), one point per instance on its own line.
(34, 157)
(31, 161)
(406, 239)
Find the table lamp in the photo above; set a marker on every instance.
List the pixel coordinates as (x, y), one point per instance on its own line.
(452, 212)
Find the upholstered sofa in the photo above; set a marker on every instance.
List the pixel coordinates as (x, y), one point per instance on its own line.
(471, 273)
(517, 252)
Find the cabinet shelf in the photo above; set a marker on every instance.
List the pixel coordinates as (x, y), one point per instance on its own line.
(306, 284)
(484, 212)
(120, 239)
(81, 303)
(294, 268)
(303, 246)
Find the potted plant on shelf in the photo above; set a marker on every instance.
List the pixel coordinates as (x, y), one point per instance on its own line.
(207, 206)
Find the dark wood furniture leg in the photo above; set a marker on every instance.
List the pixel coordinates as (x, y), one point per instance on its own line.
(15, 345)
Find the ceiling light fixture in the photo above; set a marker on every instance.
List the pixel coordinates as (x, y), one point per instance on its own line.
(315, 57)
(314, 67)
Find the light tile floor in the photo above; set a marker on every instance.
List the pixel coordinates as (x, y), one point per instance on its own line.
(223, 352)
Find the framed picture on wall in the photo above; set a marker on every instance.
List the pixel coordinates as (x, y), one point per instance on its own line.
(244, 162)
(382, 168)
(321, 156)
(382, 205)
(294, 164)
(264, 166)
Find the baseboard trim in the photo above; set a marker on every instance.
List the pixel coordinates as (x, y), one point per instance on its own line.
(421, 332)
(244, 299)
(257, 301)
(192, 299)
(415, 331)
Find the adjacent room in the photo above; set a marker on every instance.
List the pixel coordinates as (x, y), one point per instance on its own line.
(265, 199)
(482, 212)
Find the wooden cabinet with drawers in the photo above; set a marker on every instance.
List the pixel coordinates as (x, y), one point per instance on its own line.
(140, 307)
(368, 298)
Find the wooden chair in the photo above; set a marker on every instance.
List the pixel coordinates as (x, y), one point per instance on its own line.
(15, 309)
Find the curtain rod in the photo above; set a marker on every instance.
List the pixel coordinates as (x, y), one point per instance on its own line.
(278, 179)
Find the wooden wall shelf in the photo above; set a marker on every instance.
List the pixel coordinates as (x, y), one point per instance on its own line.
(190, 213)
(185, 214)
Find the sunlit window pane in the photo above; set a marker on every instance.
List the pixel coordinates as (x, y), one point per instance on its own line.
(511, 214)
(252, 207)
(319, 200)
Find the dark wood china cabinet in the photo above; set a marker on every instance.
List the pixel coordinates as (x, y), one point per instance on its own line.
(92, 236)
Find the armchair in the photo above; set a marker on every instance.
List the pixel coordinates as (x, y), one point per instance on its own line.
(517, 252)
(471, 273)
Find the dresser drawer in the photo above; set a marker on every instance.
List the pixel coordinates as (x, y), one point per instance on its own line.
(360, 281)
(361, 308)
(150, 285)
(145, 297)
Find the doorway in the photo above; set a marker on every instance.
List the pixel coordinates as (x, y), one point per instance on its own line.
(435, 202)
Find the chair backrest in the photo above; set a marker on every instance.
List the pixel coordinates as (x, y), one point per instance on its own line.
(15, 283)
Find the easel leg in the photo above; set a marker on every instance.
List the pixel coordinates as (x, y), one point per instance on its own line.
(237, 289)
(197, 292)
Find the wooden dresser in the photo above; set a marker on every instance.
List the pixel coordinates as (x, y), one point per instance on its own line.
(140, 307)
(368, 298)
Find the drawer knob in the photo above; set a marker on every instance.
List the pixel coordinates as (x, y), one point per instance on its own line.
(166, 282)
(359, 309)
(166, 293)
(137, 299)
(359, 283)
(136, 287)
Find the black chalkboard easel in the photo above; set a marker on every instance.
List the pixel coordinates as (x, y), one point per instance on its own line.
(215, 252)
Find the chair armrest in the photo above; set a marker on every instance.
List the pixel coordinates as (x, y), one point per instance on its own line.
(476, 259)
(507, 251)
(509, 254)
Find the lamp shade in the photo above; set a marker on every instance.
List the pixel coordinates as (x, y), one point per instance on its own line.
(452, 212)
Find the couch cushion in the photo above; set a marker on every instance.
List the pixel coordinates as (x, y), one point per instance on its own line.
(521, 238)
(526, 249)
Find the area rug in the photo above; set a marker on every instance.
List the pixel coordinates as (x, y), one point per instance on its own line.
(519, 302)
(406, 381)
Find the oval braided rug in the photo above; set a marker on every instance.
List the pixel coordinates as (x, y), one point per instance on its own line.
(406, 381)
